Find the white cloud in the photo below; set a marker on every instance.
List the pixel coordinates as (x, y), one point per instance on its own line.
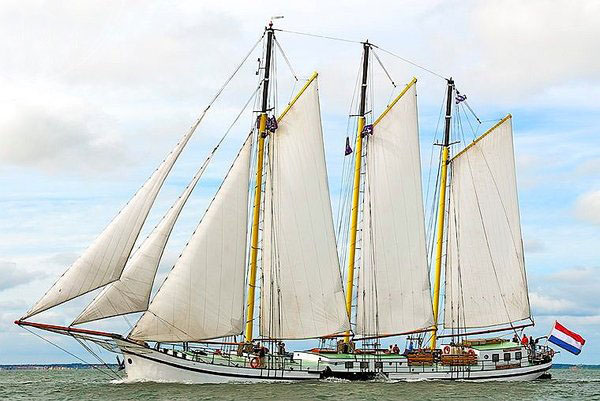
(545, 305)
(12, 276)
(533, 245)
(587, 207)
(56, 142)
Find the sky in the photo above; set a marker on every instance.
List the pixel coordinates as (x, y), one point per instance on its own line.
(95, 93)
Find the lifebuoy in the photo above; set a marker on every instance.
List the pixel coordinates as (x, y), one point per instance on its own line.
(447, 349)
(471, 352)
(254, 362)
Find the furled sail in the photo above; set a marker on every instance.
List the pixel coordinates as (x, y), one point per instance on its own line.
(131, 293)
(394, 293)
(301, 293)
(203, 295)
(104, 261)
(485, 271)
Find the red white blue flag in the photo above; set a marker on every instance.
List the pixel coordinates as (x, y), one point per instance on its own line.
(566, 339)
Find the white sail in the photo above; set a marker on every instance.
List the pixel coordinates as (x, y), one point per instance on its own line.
(485, 271)
(131, 293)
(104, 260)
(301, 294)
(202, 297)
(394, 294)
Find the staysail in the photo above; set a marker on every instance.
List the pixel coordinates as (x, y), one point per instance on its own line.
(394, 293)
(202, 297)
(131, 292)
(104, 261)
(301, 294)
(485, 270)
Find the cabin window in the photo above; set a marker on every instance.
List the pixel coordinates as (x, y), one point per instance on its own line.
(507, 356)
(495, 357)
(518, 355)
(364, 365)
(349, 365)
(378, 365)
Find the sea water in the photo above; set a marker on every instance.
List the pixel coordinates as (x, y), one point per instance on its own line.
(89, 384)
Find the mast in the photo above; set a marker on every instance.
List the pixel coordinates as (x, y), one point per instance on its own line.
(441, 213)
(262, 133)
(356, 186)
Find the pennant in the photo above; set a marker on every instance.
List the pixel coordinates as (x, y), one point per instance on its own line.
(348, 148)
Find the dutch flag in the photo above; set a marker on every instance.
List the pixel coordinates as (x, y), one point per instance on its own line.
(566, 339)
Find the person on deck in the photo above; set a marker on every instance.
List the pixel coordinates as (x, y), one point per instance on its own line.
(261, 356)
(396, 350)
(525, 340)
(515, 338)
(532, 344)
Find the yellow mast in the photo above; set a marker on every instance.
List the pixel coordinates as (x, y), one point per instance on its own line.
(356, 187)
(441, 213)
(262, 133)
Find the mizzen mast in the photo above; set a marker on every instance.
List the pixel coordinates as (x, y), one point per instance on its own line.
(356, 186)
(262, 133)
(441, 212)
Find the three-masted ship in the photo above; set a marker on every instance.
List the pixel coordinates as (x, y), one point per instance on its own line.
(270, 227)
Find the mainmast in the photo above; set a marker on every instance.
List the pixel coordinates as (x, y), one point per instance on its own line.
(356, 187)
(441, 213)
(262, 133)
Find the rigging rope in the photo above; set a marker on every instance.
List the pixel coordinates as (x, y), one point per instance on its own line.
(70, 353)
(319, 36)
(410, 62)
(383, 68)
(287, 61)
(239, 66)
(372, 45)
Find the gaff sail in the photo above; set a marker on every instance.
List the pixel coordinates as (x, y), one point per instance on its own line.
(301, 294)
(394, 294)
(485, 270)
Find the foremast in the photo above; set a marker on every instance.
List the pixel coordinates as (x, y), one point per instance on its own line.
(262, 133)
(441, 212)
(356, 186)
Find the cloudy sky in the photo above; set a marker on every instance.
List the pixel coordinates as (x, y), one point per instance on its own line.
(95, 93)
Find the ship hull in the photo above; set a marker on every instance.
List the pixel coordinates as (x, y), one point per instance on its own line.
(146, 364)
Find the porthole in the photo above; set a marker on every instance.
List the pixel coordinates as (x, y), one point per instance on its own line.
(129, 361)
(486, 357)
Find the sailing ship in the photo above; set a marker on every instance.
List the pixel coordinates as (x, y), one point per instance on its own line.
(270, 227)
